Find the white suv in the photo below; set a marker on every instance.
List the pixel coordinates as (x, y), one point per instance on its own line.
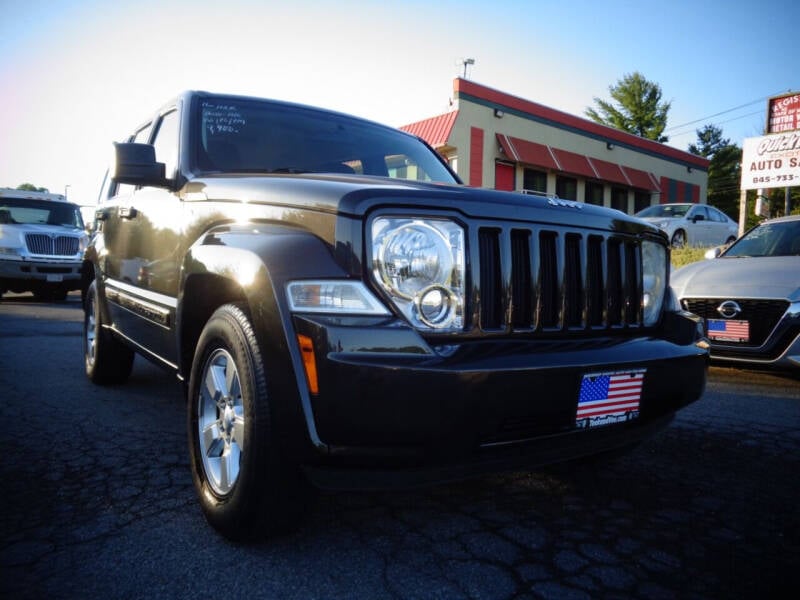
(42, 240)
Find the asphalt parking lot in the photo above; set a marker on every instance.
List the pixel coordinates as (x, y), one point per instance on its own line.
(98, 502)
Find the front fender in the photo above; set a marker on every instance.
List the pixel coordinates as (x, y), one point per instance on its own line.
(252, 263)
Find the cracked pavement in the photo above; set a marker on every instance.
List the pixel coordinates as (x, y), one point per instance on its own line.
(98, 502)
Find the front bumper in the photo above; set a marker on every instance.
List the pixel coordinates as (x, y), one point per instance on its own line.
(780, 351)
(66, 272)
(390, 403)
(778, 347)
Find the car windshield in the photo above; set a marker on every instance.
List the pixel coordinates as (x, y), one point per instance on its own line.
(664, 210)
(251, 136)
(768, 239)
(15, 211)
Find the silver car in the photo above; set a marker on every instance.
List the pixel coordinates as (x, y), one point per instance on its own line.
(691, 224)
(749, 296)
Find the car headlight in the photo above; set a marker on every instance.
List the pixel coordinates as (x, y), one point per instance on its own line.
(662, 224)
(654, 280)
(420, 265)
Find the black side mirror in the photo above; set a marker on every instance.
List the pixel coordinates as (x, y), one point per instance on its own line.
(697, 218)
(136, 164)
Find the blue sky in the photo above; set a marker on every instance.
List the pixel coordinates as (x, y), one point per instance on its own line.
(77, 75)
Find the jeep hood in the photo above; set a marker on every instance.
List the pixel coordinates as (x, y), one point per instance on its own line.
(355, 196)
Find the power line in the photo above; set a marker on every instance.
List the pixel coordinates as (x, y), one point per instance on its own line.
(688, 131)
(721, 113)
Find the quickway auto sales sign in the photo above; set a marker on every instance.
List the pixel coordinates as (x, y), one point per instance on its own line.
(771, 161)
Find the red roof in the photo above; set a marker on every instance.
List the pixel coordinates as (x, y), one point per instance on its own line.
(435, 130)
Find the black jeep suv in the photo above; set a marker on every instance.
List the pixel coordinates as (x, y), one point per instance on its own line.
(345, 314)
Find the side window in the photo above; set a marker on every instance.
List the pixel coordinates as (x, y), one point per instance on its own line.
(142, 136)
(716, 215)
(166, 143)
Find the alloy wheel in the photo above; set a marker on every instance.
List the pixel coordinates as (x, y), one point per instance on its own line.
(220, 421)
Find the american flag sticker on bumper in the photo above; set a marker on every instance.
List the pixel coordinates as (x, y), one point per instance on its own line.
(607, 398)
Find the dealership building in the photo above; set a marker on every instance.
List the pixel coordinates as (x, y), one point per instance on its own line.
(496, 140)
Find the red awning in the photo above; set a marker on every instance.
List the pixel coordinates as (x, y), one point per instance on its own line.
(641, 179)
(564, 161)
(435, 131)
(609, 171)
(527, 152)
(575, 164)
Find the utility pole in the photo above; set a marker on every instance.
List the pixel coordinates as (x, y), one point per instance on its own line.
(787, 202)
(742, 211)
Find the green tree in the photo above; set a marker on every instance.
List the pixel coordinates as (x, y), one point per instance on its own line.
(637, 108)
(724, 170)
(29, 187)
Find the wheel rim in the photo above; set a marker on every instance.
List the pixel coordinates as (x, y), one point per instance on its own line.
(220, 421)
(91, 331)
(679, 239)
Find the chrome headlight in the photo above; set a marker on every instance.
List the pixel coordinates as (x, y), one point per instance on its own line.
(420, 264)
(654, 280)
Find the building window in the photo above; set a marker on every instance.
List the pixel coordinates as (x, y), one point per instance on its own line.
(641, 200)
(567, 187)
(619, 199)
(535, 181)
(594, 193)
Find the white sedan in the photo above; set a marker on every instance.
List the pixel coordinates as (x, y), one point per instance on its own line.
(691, 224)
(749, 296)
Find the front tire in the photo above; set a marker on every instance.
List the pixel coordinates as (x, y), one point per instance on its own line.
(679, 239)
(107, 360)
(246, 488)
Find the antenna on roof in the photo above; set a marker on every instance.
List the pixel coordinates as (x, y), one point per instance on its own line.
(465, 62)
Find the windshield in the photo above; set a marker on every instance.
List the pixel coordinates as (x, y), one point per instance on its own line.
(251, 136)
(15, 211)
(664, 210)
(768, 239)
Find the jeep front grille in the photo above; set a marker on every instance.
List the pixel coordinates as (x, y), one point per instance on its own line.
(62, 245)
(551, 280)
